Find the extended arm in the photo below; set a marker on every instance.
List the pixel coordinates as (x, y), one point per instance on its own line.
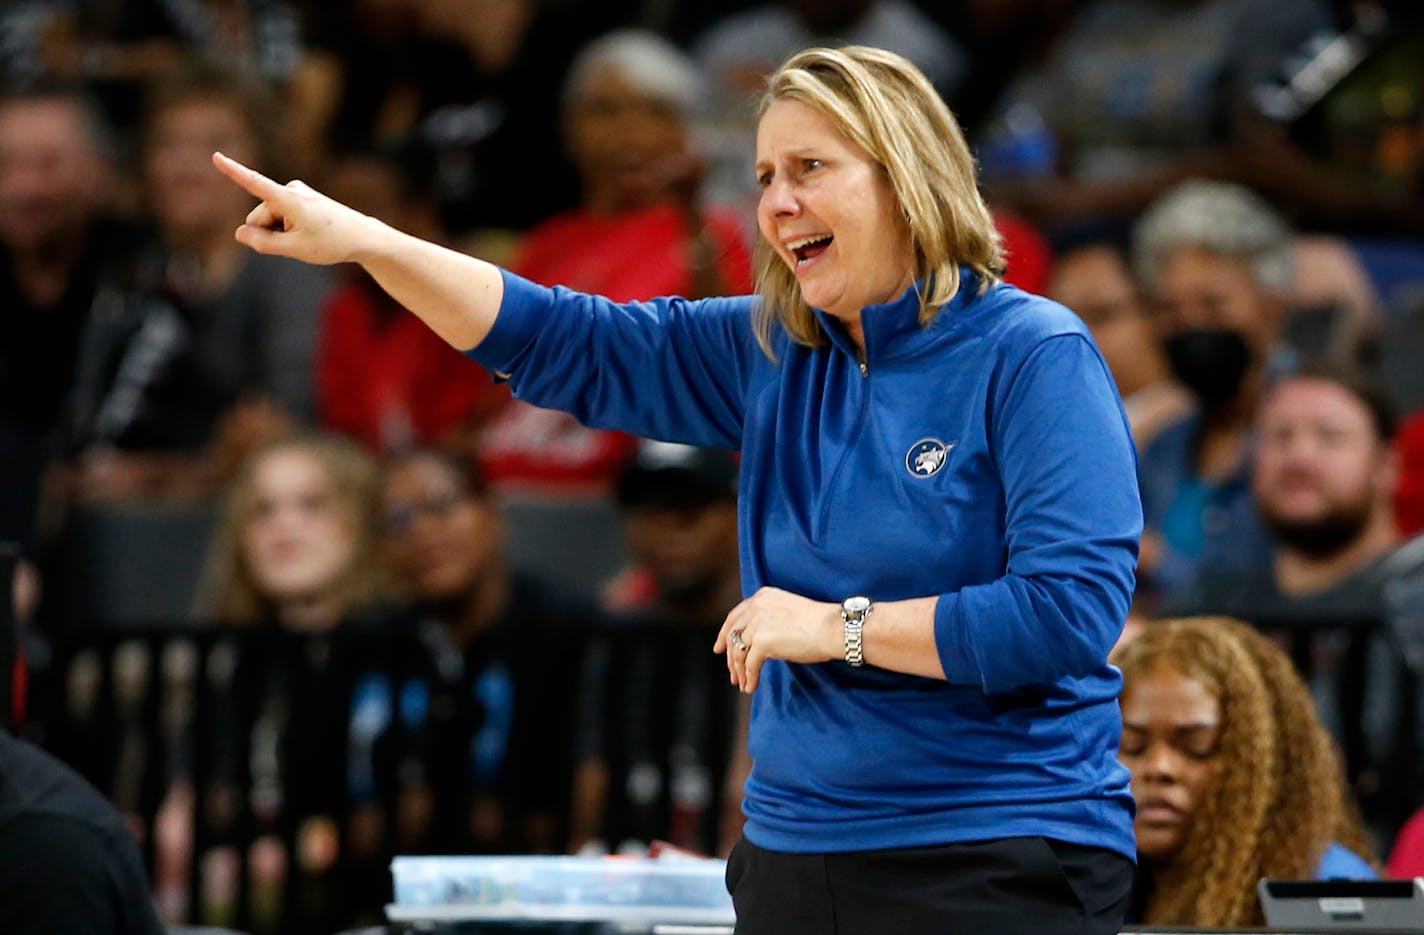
(457, 295)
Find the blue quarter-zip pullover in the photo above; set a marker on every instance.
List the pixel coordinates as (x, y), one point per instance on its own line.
(985, 459)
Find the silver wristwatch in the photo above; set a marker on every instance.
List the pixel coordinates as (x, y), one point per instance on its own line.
(854, 611)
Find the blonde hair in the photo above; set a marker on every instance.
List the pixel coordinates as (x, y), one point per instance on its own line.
(230, 592)
(886, 106)
(1281, 798)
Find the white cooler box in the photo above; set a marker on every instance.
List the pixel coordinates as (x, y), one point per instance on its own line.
(629, 892)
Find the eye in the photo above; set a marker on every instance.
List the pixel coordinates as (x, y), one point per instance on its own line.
(263, 509)
(1200, 754)
(1133, 743)
(811, 165)
(763, 179)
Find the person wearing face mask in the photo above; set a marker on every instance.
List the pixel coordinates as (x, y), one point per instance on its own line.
(937, 553)
(1234, 776)
(1215, 262)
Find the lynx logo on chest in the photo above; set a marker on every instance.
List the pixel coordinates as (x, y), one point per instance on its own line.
(927, 456)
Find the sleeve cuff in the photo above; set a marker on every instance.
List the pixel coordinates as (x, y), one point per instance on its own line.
(952, 642)
(515, 326)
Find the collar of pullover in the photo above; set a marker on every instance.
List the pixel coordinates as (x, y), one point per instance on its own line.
(892, 328)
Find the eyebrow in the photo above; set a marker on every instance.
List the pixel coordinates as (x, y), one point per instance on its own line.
(1176, 728)
(798, 153)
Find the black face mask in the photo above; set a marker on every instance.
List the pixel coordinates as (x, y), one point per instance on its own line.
(1211, 362)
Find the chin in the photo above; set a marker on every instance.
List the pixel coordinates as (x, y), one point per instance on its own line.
(1155, 847)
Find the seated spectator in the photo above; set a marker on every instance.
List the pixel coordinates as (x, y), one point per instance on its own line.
(1094, 279)
(641, 231)
(1234, 776)
(201, 349)
(1323, 476)
(382, 376)
(55, 188)
(1214, 261)
(479, 759)
(678, 504)
(296, 552)
(297, 544)
(656, 716)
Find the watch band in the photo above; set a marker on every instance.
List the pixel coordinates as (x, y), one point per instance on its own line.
(854, 612)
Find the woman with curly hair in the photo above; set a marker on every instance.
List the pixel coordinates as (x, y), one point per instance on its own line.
(1234, 775)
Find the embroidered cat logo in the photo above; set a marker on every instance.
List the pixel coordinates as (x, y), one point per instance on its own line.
(927, 456)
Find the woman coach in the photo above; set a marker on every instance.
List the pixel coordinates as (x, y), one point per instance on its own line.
(939, 514)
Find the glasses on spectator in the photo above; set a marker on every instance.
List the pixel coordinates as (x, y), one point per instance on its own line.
(401, 516)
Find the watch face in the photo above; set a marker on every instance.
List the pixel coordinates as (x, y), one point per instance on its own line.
(856, 605)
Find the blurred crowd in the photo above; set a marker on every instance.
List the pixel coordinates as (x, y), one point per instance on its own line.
(304, 588)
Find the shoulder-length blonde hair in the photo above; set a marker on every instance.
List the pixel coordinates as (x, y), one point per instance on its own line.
(887, 107)
(230, 593)
(1281, 798)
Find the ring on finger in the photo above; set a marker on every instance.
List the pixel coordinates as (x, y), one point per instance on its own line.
(735, 638)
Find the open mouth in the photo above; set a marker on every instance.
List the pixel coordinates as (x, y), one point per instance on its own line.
(808, 248)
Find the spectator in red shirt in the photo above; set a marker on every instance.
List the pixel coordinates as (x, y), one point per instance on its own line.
(642, 230)
(1406, 858)
(383, 377)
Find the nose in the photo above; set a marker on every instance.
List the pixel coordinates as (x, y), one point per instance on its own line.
(779, 200)
(1159, 763)
(1294, 449)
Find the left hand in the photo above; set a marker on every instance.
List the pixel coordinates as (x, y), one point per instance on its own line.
(776, 624)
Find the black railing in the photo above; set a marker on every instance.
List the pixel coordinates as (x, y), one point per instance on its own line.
(270, 776)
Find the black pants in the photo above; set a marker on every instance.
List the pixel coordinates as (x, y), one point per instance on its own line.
(1033, 886)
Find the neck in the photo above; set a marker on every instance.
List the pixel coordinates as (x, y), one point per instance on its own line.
(855, 330)
(311, 614)
(1147, 370)
(1223, 434)
(219, 256)
(1301, 575)
(481, 609)
(605, 199)
(42, 270)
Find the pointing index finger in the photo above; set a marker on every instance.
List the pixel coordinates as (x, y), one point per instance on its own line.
(252, 181)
